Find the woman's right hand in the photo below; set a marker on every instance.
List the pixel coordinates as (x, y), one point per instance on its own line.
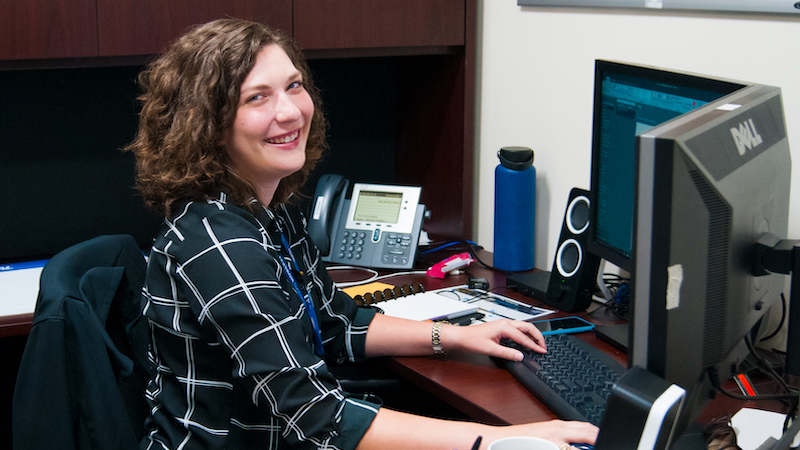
(556, 431)
(399, 430)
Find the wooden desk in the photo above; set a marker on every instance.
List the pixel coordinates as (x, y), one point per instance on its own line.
(479, 388)
(476, 386)
(471, 383)
(16, 325)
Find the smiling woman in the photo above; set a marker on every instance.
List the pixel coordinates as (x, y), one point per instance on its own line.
(192, 96)
(243, 315)
(268, 138)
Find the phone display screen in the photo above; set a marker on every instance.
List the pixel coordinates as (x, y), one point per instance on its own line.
(376, 206)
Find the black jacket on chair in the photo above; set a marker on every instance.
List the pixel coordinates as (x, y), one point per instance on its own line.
(82, 376)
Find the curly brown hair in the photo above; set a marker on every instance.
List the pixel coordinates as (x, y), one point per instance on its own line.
(189, 100)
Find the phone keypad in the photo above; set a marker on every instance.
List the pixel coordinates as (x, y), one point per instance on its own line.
(396, 249)
(352, 245)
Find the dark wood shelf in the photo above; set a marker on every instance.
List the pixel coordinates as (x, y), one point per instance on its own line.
(381, 23)
(397, 77)
(34, 29)
(140, 27)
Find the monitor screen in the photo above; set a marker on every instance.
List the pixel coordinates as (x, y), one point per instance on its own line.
(629, 100)
(708, 185)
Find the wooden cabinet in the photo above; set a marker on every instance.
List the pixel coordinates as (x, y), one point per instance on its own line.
(48, 29)
(142, 27)
(413, 125)
(340, 24)
(425, 50)
(38, 29)
(128, 27)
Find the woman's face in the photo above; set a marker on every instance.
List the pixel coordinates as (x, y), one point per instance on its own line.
(267, 141)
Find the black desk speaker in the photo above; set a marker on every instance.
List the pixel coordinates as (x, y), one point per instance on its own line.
(573, 278)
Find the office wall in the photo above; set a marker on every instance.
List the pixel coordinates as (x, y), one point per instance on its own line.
(535, 87)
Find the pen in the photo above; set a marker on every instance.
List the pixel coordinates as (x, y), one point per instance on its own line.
(527, 309)
(477, 443)
(477, 295)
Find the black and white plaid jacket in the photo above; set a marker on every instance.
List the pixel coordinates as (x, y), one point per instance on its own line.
(232, 341)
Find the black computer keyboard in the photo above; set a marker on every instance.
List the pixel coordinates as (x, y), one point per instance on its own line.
(573, 379)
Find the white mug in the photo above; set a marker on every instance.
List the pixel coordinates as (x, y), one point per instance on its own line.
(522, 443)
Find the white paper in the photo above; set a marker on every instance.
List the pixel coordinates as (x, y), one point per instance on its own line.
(754, 426)
(18, 290)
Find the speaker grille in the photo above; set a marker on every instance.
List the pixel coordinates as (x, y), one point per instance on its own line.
(577, 216)
(568, 259)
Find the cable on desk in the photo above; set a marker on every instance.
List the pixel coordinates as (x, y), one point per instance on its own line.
(780, 325)
(618, 304)
(447, 245)
(454, 247)
(790, 397)
(373, 277)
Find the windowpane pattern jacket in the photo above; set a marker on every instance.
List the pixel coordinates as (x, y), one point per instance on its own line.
(232, 342)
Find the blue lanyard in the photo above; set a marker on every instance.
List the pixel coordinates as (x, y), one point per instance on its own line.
(303, 294)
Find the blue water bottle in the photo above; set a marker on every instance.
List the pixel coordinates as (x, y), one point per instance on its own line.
(514, 210)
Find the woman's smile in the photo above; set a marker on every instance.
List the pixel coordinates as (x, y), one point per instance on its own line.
(284, 139)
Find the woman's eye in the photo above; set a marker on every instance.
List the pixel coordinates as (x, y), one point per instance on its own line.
(296, 85)
(255, 97)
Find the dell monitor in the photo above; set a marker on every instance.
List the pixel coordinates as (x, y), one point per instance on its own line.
(709, 184)
(689, 173)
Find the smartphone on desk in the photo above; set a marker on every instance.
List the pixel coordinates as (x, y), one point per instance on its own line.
(563, 325)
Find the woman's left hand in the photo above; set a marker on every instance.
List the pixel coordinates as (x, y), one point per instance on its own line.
(485, 338)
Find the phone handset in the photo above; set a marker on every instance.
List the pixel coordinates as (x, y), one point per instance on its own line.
(326, 210)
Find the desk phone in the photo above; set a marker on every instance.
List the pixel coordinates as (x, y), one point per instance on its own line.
(379, 226)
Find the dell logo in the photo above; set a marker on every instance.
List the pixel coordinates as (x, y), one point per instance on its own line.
(746, 136)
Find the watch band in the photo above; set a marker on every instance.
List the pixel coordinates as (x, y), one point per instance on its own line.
(436, 337)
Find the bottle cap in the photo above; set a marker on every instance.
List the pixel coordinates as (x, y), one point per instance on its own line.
(516, 158)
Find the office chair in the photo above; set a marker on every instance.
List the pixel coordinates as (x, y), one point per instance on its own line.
(84, 369)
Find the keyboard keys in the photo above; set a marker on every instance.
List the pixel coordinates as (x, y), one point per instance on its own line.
(573, 379)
